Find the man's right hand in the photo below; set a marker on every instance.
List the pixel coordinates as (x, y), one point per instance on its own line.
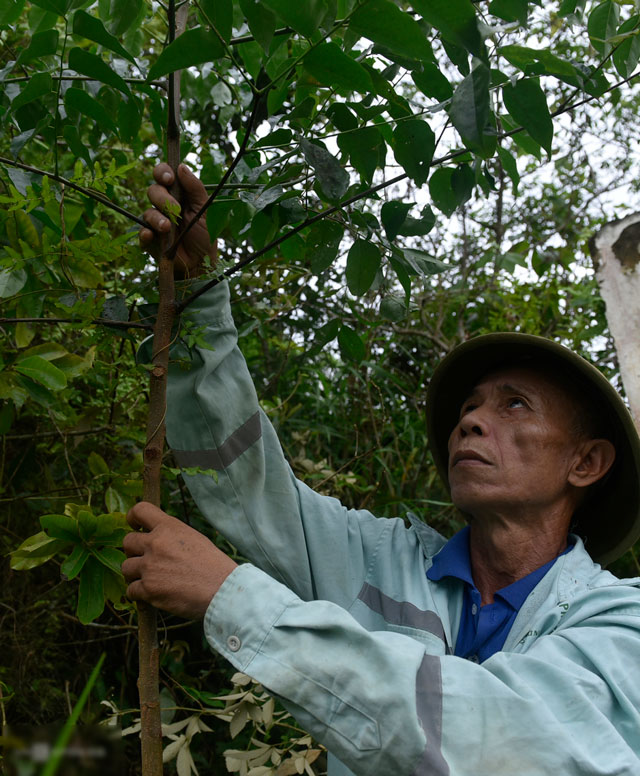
(196, 245)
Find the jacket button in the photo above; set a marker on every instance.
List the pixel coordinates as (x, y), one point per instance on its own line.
(234, 643)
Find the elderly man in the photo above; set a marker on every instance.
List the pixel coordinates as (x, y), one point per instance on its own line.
(506, 650)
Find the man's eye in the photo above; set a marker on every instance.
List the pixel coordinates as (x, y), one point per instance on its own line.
(516, 402)
(467, 408)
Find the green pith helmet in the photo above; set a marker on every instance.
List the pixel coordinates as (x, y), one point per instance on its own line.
(609, 518)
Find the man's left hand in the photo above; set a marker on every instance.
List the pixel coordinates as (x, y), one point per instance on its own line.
(171, 565)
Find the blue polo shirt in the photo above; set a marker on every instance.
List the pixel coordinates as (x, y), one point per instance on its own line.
(483, 629)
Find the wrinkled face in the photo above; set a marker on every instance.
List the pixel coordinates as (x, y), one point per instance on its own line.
(513, 446)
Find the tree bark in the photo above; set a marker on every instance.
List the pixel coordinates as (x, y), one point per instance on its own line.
(148, 650)
(615, 251)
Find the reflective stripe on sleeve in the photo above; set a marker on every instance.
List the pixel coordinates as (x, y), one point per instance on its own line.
(401, 613)
(221, 457)
(429, 707)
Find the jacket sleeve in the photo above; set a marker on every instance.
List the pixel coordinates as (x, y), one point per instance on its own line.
(385, 706)
(214, 422)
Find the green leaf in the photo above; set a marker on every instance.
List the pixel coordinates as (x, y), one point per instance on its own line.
(463, 180)
(24, 333)
(351, 345)
(602, 26)
(510, 166)
(383, 22)
(114, 500)
(111, 558)
(366, 149)
(523, 57)
(627, 54)
(98, 466)
(510, 10)
(129, 119)
(413, 146)
(37, 392)
(78, 100)
(10, 12)
(11, 281)
(305, 17)
(42, 44)
(432, 82)
(91, 592)
(50, 351)
(113, 525)
(393, 308)
(261, 21)
(469, 111)
(61, 527)
(363, 262)
(280, 137)
(332, 177)
(91, 28)
(422, 263)
(329, 65)
(418, 227)
(193, 47)
(73, 365)
(72, 136)
(35, 551)
(39, 85)
(93, 66)
(42, 372)
(441, 190)
(393, 215)
(59, 7)
(341, 117)
(88, 524)
(220, 14)
(10, 388)
(218, 217)
(84, 273)
(399, 267)
(115, 588)
(122, 14)
(527, 106)
(456, 20)
(521, 139)
(326, 333)
(73, 563)
(322, 245)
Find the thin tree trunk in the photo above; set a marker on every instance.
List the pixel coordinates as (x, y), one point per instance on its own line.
(616, 256)
(148, 651)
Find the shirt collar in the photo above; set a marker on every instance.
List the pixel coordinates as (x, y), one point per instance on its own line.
(453, 561)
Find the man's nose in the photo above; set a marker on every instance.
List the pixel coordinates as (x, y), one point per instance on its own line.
(472, 423)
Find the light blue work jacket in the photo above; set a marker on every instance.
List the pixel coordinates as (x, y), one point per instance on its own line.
(335, 614)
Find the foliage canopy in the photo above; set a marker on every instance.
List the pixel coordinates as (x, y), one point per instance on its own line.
(397, 175)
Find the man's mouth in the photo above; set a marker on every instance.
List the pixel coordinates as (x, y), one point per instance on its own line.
(467, 457)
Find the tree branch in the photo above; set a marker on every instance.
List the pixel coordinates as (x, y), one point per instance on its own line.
(245, 140)
(41, 434)
(148, 650)
(81, 189)
(94, 321)
(86, 79)
(372, 190)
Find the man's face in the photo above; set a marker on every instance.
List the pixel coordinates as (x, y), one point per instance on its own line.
(513, 446)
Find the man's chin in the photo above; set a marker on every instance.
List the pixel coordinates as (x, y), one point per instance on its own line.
(470, 502)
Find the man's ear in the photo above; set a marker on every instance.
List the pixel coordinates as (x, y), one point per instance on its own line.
(595, 458)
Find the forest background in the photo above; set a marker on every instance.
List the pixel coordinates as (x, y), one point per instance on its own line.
(395, 177)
